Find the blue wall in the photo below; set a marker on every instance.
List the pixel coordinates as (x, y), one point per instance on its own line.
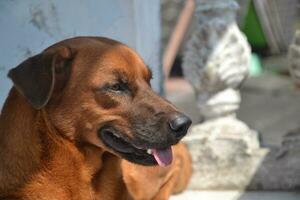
(27, 27)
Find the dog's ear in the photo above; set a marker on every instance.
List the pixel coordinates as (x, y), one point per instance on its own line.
(35, 77)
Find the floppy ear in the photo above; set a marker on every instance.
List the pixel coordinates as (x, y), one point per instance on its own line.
(35, 77)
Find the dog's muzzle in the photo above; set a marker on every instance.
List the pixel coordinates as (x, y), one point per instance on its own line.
(147, 153)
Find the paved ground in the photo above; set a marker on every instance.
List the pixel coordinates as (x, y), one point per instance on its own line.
(271, 105)
(235, 195)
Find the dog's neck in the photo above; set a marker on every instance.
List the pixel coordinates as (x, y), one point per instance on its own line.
(19, 142)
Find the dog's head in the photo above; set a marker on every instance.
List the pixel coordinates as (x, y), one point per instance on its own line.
(97, 91)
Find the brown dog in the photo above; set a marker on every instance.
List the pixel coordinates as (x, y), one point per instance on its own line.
(74, 111)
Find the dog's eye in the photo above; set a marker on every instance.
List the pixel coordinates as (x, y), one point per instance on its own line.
(118, 87)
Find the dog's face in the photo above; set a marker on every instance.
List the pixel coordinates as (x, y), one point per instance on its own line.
(100, 95)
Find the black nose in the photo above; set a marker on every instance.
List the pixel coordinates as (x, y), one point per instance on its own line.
(179, 124)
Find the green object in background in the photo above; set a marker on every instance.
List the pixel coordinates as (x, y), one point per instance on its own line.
(253, 29)
(255, 65)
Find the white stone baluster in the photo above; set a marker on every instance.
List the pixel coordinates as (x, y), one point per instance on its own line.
(216, 63)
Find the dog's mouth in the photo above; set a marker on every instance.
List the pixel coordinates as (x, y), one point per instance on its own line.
(133, 153)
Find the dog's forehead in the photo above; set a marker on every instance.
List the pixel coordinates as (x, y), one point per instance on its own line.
(98, 56)
(119, 59)
(124, 58)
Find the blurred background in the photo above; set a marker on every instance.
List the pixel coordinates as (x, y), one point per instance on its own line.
(230, 64)
(270, 100)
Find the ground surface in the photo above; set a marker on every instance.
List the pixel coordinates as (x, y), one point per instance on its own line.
(270, 105)
(235, 195)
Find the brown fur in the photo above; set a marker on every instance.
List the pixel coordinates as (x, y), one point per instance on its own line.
(49, 148)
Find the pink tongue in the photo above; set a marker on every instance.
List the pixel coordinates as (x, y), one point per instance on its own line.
(163, 157)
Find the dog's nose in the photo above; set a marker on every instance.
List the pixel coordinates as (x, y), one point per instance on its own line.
(179, 124)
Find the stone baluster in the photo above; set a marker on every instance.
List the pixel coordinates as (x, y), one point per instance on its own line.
(216, 63)
(217, 58)
(294, 59)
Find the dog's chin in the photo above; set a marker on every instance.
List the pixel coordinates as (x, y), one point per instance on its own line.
(126, 149)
